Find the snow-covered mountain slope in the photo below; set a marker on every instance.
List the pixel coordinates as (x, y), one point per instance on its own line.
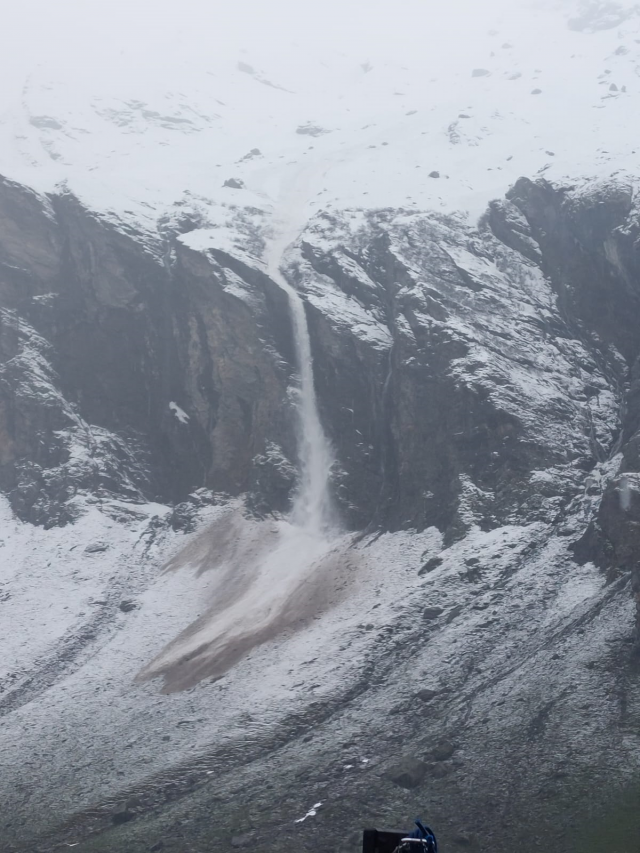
(479, 389)
(183, 666)
(439, 108)
(500, 665)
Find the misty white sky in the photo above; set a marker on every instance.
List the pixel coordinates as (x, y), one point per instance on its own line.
(135, 102)
(89, 31)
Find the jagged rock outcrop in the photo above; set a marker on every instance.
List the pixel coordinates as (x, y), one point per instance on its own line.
(465, 377)
(501, 366)
(481, 402)
(129, 374)
(589, 242)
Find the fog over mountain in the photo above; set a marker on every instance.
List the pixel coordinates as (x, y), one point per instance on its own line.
(319, 424)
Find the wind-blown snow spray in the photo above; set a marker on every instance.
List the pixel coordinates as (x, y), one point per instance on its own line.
(624, 490)
(312, 509)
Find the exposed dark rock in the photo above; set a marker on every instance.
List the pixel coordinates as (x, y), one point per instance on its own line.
(311, 130)
(434, 174)
(454, 613)
(588, 242)
(397, 416)
(234, 183)
(443, 751)
(426, 694)
(409, 393)
(255, 152)
(97, 339)
(432, 612)
(273, 479)
(612, 540)
(431, 565)
(127, 606)
(590, 223)
(408, 773)
(122, 817)
(184, 517)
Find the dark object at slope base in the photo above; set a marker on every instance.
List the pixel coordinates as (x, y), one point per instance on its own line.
(376, 841)
(420, 840)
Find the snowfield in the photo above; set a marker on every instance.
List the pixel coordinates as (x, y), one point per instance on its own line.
(96, 719)
(438, 111)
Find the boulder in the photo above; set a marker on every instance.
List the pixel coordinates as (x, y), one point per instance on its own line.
(443, 751)
(96, 548)
(408, 773)
(430, 613)
(118, 818)
(426, 694)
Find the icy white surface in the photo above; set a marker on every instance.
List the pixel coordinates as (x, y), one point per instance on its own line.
(356, 104)
(180, 414)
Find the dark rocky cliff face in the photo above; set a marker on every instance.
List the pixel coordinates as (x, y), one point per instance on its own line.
(126, 376)
(508, 376)
(464, 377)
(589, 245)
(474, 382)
(470, 380)
(452, 367)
